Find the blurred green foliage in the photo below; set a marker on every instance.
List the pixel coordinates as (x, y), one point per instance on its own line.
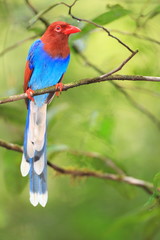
(94, 118)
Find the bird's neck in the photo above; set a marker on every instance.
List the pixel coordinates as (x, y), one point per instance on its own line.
(55, 46)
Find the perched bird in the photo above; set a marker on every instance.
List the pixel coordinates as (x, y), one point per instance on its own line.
(47, 61)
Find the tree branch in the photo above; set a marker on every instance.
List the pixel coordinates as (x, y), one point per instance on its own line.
(82, 82)
(94, 155)
(146, 186)
(139, 107)
(11, 146)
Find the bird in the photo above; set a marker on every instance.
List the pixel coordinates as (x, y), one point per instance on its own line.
(47, 61)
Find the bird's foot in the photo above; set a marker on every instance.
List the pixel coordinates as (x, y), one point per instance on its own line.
(59, 86)
(29, 94)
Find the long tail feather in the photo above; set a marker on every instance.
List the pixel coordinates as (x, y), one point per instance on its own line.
(34, 157)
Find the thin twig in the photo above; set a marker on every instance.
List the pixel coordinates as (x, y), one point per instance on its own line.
(121, 65)
(141, 108)
(11, 146)
(96, 80)
(98, 26)
(82, 82)
(146, 186)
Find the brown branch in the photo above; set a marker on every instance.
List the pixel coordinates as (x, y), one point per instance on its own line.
(11, 146)
(146, 186)
(110, 163)
(87, 81)
(121, 65)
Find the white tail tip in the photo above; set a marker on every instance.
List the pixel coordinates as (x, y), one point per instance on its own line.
(34, 199)
(25, 166)
(43, 198)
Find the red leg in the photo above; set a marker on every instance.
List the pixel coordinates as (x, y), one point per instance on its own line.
(29, 93)
(59, 86)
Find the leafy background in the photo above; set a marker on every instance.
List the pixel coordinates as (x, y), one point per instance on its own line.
(90, 118)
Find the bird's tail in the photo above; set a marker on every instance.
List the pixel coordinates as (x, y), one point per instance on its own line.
(34, 159)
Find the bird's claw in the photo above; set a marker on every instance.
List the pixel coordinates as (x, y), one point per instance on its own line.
(59, 86)
(29, 93)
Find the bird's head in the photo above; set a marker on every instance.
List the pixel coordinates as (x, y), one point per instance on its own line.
(55, 38)
(60, 29)
(64, 28)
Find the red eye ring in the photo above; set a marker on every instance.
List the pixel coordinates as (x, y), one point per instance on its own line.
(58, 28)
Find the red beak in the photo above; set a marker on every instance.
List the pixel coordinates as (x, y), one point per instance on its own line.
(71, 29)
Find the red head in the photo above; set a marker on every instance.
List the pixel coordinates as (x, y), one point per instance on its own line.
(55, 38)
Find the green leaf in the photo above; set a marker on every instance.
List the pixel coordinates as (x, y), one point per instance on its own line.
(115, 12)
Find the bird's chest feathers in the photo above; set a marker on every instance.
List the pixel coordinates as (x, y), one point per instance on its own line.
(47, 69)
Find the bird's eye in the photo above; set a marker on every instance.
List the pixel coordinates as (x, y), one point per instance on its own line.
(58, 28)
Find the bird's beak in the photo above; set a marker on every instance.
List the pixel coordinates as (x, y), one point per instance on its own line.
(71, 29)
